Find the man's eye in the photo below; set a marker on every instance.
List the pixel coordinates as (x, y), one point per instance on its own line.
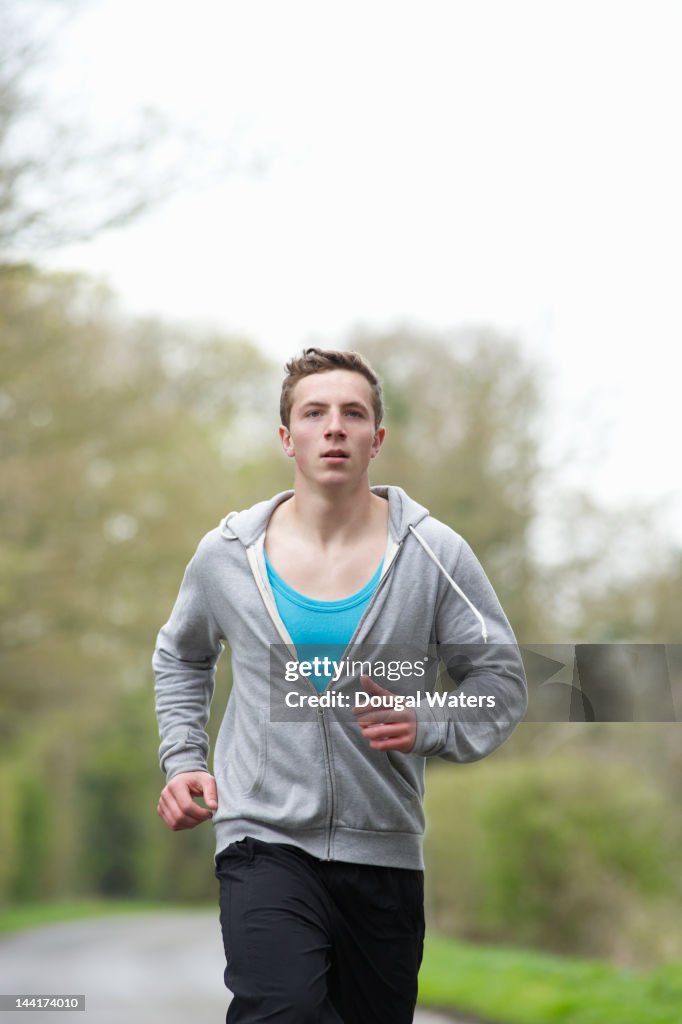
(354, 412)
(313, 412)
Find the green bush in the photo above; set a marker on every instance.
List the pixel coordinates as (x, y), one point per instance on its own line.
(557, 853)
(125, 849)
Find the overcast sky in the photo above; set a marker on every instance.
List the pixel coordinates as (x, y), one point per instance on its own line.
(515, 164)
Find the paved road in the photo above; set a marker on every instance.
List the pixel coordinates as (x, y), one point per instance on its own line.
(132, 970)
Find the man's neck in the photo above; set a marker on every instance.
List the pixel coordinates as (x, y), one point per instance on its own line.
(332, 517)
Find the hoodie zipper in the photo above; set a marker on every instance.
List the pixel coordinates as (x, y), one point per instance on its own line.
(387, 569)
(271, 607)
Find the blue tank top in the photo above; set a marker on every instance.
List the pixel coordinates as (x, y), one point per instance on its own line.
(326, 625)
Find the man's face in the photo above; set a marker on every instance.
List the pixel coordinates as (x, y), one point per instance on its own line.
(331, 427)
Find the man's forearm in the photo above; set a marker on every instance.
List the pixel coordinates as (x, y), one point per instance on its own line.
(470, 722)
(183, 698)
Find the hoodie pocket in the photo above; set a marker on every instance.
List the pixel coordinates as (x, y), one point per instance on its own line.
(372, 794)
(401, 780)
(275, 774)
(247, 767)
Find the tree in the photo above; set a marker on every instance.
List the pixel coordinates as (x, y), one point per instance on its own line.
(120, 448)
(117, 443)
(59, 181)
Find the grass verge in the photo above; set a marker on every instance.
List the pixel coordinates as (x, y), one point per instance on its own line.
(32, 915)
(512, 986)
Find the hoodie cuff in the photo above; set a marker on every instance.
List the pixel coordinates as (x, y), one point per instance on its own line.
(189, 766)
(430, 734)
(188, 752)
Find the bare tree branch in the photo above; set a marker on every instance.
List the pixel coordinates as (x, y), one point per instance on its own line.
(60, 181)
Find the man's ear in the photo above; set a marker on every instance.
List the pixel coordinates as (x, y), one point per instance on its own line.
(287, 443)
(377, 442)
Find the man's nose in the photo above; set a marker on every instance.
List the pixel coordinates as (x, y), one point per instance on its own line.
(335, 423)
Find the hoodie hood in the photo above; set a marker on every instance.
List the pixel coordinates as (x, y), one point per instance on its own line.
(248, 525)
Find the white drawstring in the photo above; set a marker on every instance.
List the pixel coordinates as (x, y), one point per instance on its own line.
(456, 587)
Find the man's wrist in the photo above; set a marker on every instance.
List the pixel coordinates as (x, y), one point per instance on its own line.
(428, 740)
(183, 768)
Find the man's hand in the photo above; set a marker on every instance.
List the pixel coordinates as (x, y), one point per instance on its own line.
(176, 806)
(386, 728)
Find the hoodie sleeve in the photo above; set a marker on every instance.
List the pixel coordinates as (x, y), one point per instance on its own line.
(184, 661)
(488, 674)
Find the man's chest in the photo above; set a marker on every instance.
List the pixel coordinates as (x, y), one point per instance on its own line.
(326, 576)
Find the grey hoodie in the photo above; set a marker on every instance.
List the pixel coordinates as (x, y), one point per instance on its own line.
(313, 780)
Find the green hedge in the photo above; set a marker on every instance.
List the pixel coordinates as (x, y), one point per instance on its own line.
(563, 854)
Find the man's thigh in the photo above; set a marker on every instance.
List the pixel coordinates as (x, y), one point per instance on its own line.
(378, 938)
(276, 925)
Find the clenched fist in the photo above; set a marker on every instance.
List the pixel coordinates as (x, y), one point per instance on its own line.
(176, 806)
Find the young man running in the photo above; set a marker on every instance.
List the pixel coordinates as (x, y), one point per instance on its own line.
(318, 815)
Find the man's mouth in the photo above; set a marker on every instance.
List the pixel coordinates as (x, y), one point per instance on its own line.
(335, 453)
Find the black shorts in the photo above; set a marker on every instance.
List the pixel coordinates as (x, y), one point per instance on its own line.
(318, 942)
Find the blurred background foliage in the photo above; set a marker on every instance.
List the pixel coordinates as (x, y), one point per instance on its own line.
(124, 440)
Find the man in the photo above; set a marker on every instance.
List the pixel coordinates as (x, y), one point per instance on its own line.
(318, 814)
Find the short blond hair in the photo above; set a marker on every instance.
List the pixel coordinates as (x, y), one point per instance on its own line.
(318, 360)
